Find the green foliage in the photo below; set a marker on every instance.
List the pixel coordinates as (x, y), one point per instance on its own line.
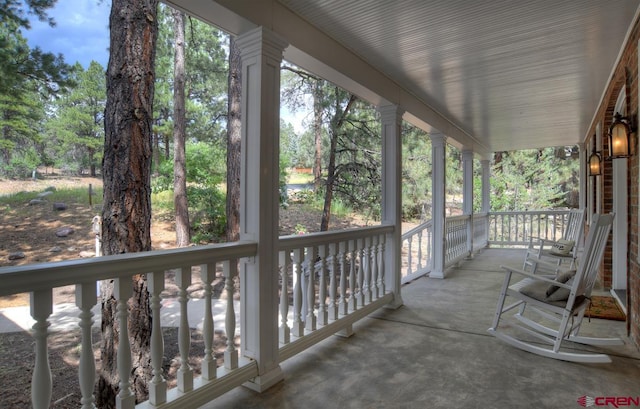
(534, 179)
(77, 126)
(206, 80)
(299, 178)
(353, 127)
(20, 117)
(21, 165)
(416, 173)
(78, 195)
(27, 78)
(22, 68)
(208, 214)
(205, 164)
(207, 204)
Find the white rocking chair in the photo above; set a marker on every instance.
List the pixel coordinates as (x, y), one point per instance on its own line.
(561, 301)
(542, 251)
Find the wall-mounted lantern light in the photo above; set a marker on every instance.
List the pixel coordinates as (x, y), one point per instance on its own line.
(595, 162)
(621, 138)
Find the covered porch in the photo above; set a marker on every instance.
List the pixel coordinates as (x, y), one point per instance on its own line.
(418, 342)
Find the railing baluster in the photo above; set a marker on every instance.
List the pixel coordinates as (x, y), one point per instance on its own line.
(158, 386)
(185, 373)
(343, 308)
(353, 301)
(368, 266)
(209, 364)
(361, 271)
(410, 256)
(420, 265)
(310, 322)
(373, 284)
(123, 290)
(323, 315)
(231, 353)
(41, 384)
(333, 283)
(285, 331)
(381, 265)
(298, 325)
(85, 299)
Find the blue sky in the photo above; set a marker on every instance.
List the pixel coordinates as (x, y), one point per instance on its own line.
(81, 33)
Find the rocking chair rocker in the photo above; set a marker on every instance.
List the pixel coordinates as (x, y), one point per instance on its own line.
(561, 301)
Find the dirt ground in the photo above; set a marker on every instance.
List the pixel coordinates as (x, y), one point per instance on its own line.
(31, 230)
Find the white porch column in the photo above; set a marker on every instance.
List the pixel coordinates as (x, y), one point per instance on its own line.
(467, 194)
(438, 200)
(391, 116)
(261, 52)
(486, 185)
(584, 179)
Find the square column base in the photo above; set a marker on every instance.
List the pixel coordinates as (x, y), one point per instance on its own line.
(263, 382)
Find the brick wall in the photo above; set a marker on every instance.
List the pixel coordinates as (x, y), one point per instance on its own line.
(625, 72)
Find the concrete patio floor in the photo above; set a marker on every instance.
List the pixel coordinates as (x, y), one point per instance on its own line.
(435, 352)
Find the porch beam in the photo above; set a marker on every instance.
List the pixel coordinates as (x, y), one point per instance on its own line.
(391, 117)
(261, 53)
(438, 199)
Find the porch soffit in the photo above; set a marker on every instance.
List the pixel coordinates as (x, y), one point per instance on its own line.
(492, 75)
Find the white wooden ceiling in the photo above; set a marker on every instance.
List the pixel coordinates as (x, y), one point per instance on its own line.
(510, 74)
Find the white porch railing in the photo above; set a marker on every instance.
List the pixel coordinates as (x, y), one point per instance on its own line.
(40, 279)
(480, 228)
(503, 229)
(507, 229)
(417, 250)
(328, 281)
(456, 241)
(463, 235)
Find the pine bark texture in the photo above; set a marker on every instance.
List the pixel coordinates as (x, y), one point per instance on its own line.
(126, 167)
(233, 142)
(181, 205)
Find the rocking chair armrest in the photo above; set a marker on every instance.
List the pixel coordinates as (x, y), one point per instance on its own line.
(535, 276)
(547, 241)
(548, 264)
(540, 242)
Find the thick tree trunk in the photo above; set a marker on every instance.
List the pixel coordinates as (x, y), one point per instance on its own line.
(233, 143)
(183, 236)
(126, 168)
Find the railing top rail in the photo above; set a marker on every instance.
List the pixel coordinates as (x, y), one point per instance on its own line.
(422, 226)
(553, 212)
(458, 218)
(44, 276)
(326, 237)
